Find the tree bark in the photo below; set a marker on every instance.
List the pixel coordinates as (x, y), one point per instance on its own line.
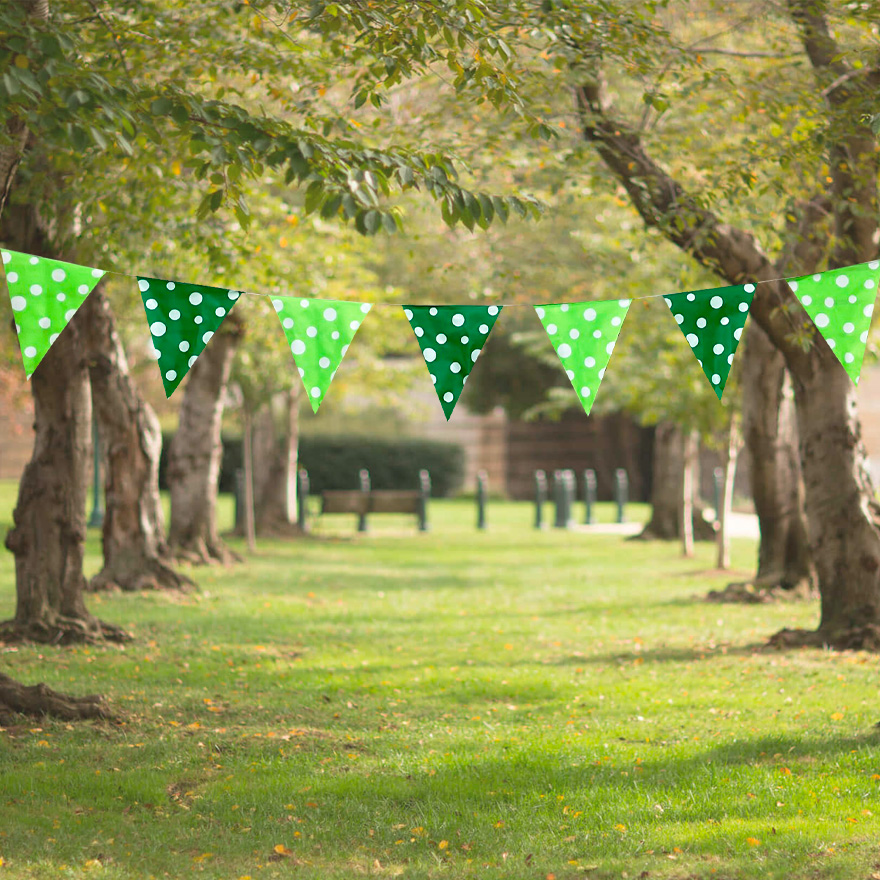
(136, 554)
(195, 453)
(731, 454)
(248, 454)
(667, 490)
(771, 445)
(690, 460)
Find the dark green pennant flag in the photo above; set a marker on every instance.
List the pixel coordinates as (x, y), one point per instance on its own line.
(451, 338)
(584, 335)
(319, 332)
(712, 322)
(841, 303)
(45, 294)
(182, 318)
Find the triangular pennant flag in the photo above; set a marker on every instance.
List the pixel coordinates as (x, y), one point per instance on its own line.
(583, 335)
(451, 338)
(319, 332)
(45, 295)
(841, 303)
(712, 322)
(183, 318)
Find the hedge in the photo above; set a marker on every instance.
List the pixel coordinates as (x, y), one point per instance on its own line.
(333, 462)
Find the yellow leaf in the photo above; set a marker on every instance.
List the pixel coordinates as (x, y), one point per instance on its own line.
(21, 62)
(282, 850)
(444, 844)
(620, 827)
(836, 716)
(753, 841)
(175, 168)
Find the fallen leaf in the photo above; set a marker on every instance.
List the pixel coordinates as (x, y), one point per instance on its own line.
(753, 841)
(282, 850)
(443, 844)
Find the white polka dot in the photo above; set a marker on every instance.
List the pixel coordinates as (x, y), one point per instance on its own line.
(570, 374)
(869, 310)
(737, 333)
(743, 307)
(207, 336)
(691, 297)
(749, 288)
(807, 300)
(821, 320)
(143, 284)
(219, 311)
(718, 348)
(409, 314)
(615, 321)
(30, 351)
(6, 257)
(864, 336)
(329, 314)
(354, 325)
(574, 333)
(151, 303)
(365, 307)
(585, 392)
(12, 277)
(849, 357)
(45, 323)
(158, 328)
(493, 310)
(455, 367)
(97, 273)
(597, 334)
(716, 379)
(564, 350)
(563, 307)
(829, 302)
(171, 285)
(602, 373)
(195, 297)
(433, 378)
(848, 327)
(191, 361)
(36, 289)
(484, 329)
(324, 363)
(432, 311)
(333, 335)
(475, 355)
(539, 312)
(184, 346)
(419, 332)
(793, 285)
(441, 339)
(316, 392)
(171, 375)
(624, 303)
(817, 277)
(312, 332)
(668, 301)
(692, 339)
(304, 303)
(58, 275)
(724, 320)
(430, 355)
(298, 346)
(831, 343)
(449, 397)
(61, 297)
(19, 303)
(287, 323)
(589, 362)
(69, 314)
(841, 280)
(279, 304)
(716, 302)
(679, 319)
(34, 260)
(233, 295)
(874, 264)
(551, 329)
(52, 338)
(869, 283)
(589, 314)
(458, 319)
(730, 359)
(197, 319)
(609, 348)
(701, 322)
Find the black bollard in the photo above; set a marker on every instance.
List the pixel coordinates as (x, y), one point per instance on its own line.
(570, 482)
(621, 493)
(364, 477)
(424, 495)
(558, 500)
(589, 496)
(482, 498)
(540, 498)
(302, 500)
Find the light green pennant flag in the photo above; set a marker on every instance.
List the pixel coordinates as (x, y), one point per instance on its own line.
(319, 332)
(183, 318)
(712, 322)
(451, 339)
(584, 335)
(45, 294)
(841, 303)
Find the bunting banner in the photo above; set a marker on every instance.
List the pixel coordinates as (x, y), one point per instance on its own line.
(712, 322)
(840, 303)
(183, 318)
(451, 339)
(319, 332)
(45, 294)
(584, 335)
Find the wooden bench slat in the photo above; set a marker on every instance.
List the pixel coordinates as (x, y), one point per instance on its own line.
(343, 501)
(394, 501)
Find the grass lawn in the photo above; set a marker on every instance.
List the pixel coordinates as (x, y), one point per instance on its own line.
(507, 704)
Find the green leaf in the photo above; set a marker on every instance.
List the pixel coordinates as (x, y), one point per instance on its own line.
(314, 195)
(372, 220)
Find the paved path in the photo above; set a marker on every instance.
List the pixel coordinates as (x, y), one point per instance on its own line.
(742, 525)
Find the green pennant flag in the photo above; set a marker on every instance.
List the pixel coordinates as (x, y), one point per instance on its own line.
(712, 322)
(45, 295)
(183, 318)
(319, 332)
(841, 303)
(451, 338)
(584, 335)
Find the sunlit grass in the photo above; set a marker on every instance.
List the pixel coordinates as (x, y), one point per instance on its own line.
(506, 704)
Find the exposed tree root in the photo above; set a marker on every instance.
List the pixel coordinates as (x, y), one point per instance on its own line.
(39, 700)
(150, 574)
(202, 552)
(763, 592)
(63, 631)
(857, 638)
(703, 531)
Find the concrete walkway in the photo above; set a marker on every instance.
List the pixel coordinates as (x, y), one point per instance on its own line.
(742, 525)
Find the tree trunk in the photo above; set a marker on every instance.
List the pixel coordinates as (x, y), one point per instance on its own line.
(690, 460)
(194, 457)
(770, 434)
(135, 551)
(277, 493)
(38, 700)
(248, 454)
(731, 455)
(48, 536)
(667, 491)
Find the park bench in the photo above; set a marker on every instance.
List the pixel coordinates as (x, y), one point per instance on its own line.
(366, 500)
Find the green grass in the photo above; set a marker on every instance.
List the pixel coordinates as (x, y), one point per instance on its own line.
(508, 704)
